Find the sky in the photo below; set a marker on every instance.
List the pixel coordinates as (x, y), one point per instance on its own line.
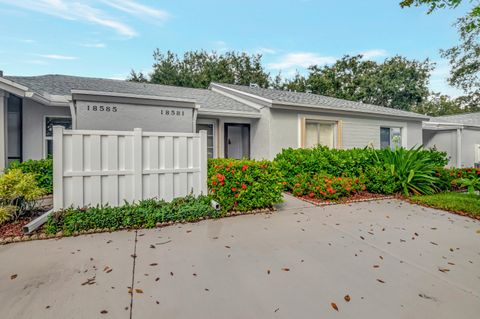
(108, 38)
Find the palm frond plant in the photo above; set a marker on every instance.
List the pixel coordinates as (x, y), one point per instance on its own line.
(413, 170)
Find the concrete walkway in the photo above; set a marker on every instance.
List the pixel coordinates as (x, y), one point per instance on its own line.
(393, 259)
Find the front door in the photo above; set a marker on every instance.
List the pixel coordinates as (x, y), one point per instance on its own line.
(237, 141)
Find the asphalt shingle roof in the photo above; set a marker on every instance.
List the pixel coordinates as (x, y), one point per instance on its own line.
(319, 101)
(54, 84)
(465, 118)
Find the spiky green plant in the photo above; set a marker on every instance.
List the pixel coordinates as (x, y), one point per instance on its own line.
(413, 169)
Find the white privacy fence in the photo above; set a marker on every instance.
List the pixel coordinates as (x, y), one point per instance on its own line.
(109, 167)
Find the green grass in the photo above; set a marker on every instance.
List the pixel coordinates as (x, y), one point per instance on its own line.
(455, 202)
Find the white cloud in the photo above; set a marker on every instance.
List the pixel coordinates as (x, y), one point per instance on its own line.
(138, 9)
(97, 45)
(75, 10)
(264, 51)
(301, 60)
(57, 57)
(374, 53)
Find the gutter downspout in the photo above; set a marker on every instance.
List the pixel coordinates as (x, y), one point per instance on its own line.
(73, 113)
(459, 147)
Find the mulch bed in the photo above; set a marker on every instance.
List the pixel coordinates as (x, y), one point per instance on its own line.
(359, 197)
(13, 229)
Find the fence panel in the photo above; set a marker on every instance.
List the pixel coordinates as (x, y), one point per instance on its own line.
(109, 167)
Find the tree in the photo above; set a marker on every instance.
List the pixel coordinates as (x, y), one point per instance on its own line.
(465, 59)
(397, 82)
(198, 69)
(473, 16)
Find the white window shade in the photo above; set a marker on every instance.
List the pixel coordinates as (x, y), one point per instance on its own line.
(318, 133)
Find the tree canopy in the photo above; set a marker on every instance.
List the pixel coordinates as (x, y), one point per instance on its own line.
(197, 69)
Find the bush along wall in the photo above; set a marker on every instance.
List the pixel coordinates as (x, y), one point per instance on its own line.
(144, 214)
(42, 169)
(244, 185)
(386, 171)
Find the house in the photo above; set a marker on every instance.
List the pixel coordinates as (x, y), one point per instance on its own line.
(458, 135)
(241, 121)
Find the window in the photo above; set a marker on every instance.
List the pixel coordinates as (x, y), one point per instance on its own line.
(14, 128)
(50, 122)
(390, 137)
(210, 128)
(319, 133)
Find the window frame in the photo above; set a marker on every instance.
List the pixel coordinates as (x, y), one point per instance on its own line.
(44, 132)
(335, 127)
(401, 144)
(214, 130)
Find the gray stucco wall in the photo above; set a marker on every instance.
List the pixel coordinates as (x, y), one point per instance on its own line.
(33, 126)
(357, 131)
(445, 141)
(470, 137)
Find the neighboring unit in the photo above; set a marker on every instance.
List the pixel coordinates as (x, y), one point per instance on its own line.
(240, 121)
(458, 135)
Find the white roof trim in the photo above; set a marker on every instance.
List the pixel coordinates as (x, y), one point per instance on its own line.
(228, 113)
(294, 106)
(130, 95)
(13, 87)
(254, 96)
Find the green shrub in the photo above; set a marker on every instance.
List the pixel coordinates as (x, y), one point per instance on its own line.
(472, 184)
(146, 213)
(327, 187)
(413, 170)
(321, 159)
(20, 190)
(449, 177)
(380, 180)
(6, 213)
(42, 169)
(244, 185)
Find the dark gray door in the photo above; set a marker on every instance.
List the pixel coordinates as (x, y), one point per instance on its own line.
(237, 141)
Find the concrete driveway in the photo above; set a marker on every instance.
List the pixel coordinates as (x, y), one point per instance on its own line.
(393, 259)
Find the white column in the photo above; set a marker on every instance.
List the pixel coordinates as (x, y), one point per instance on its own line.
(3, 132)
(459, 147)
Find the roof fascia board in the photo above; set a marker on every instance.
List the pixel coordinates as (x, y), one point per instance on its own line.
(52, 100)
(308, 107)
(13, 87)
(266, 102)
(228, 113)
(100, 96)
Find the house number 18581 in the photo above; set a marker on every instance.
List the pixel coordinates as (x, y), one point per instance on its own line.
(101, 108)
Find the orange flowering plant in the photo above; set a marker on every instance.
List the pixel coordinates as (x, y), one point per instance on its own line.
(324, 186)
(244, 185)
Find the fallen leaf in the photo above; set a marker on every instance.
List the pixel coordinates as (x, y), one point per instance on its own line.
(152, 246)
(277, 309)
(189, 231)
(381, 257)
(450, 263)
(268, 272)
(286, 269)
(227, 247)
(347, 298)
(171, 273)
(362, 238)
(157, 279)
(433, 243)
(443, 269)
(153, 264)
(138, 291)
(103, 312)
(380, 280)
(376, 266)
(13, 276)
(334, 306)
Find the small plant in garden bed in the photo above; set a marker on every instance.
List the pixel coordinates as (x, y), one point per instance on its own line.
(145, 214)
(244, 185)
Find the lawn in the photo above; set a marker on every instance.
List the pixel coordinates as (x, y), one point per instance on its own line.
(455, 202)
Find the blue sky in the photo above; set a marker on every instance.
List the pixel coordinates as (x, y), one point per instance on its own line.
(108, 38)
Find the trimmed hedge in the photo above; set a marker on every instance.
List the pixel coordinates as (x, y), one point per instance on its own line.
(42, 169)
(146, 214)
(383, 171)
(327, 186)
(244, 185)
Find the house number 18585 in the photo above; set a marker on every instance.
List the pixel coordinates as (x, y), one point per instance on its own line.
(101, 108)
